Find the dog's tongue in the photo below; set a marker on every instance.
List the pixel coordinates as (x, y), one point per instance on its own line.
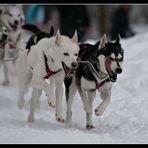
(67, 70)
(113, 76)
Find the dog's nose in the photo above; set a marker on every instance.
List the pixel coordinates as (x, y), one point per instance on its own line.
(16, 22)
(118, 70)
(74, 65)
(4, 36)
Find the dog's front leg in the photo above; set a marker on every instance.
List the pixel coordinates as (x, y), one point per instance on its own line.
(91, 96)
(106, 97)
(40, 83)
(59, 95)
(6, 75)
(70, 91)
(84, 98)
(51, 100)
(35, 96)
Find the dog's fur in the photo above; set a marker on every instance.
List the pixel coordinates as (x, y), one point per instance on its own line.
(31, 67)
(34, 39)
(12, 17)
(86, 82)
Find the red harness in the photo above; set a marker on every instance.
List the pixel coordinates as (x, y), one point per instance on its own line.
(48, 70)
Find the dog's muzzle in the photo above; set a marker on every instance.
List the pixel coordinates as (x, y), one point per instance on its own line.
(69, 71)
(112, 75)
(118, 70)
(74, 65)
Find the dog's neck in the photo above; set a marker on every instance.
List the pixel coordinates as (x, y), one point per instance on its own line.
(15, 35)
(102, 64)
(53, 63)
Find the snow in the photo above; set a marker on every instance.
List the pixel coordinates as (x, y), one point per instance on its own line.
(124, 121)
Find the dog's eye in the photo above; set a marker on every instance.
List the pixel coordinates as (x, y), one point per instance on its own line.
(10, 14)
(5, 30)
(66, 54)
(76, 54)
(19, 15)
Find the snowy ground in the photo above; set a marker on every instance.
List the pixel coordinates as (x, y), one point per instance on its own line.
(124, 121)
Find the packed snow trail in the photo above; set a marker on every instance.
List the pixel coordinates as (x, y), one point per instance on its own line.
(124, 121)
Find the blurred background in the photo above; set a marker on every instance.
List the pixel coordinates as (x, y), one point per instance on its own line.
(91, 21)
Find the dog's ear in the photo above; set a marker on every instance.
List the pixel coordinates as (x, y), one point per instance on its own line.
(75, 37)
(103, 41)
(51, 33)
(58, 38)
(6, 9)
(118, 39)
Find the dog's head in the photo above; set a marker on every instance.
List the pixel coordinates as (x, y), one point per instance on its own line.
(13, 17)
(34, 39)
(111, 56)
(67, 52)
(3, 36)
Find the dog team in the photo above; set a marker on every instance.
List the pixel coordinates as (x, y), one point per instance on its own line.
(82, 67)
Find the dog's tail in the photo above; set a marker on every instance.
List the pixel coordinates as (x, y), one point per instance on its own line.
(34, 29)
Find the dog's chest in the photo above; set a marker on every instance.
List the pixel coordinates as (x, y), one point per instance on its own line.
(91, 85)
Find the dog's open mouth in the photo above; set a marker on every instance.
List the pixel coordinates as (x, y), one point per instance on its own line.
(112, 75)
(14, 27)
(68, 71)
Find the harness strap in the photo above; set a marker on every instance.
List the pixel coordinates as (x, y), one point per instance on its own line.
(98, 85)
(100, 75)
(48, 70)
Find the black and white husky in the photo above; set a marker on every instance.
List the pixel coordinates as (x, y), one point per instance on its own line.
(98, 69)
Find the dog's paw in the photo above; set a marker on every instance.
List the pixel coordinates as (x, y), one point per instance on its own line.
(51, 103)
(30, 118)
(60, 119)
(5, 83)
(99, 111)
(20, 103)
(89, 126)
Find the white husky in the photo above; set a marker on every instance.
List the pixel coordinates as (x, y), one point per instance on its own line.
(12, 17)
(46, 59)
